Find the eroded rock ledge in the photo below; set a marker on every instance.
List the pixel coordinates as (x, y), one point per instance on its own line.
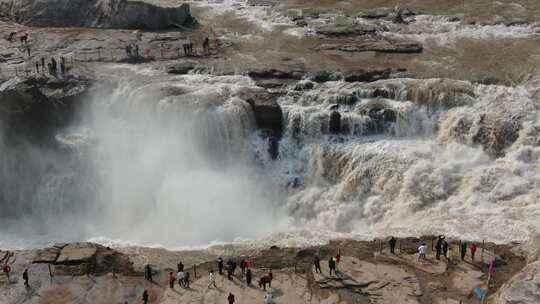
(96, 13)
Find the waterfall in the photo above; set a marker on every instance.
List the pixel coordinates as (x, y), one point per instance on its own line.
(179, 161)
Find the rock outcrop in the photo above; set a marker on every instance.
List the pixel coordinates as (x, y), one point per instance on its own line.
(96, 13)
(268, 113)
(83, 258)
(35, 107)
(373, 45)
(522, 288)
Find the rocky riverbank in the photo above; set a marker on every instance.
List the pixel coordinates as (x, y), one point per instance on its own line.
(367, 273)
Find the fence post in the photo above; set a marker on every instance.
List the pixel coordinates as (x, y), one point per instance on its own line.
(482, 255)
(195, 270)
(380, 246)
(399, 246)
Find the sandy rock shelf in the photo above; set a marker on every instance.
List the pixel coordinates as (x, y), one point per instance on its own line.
(90, 273)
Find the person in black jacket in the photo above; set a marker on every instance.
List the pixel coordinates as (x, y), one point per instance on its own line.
(248, 277)
(145, 296)
(332, 266)
(392, 243)
(220, 265)
(463, 250)
(439, 246)
(445, 249)
(25, 278)
(317, 264)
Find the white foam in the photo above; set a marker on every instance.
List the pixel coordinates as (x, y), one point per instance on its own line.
(443, 30)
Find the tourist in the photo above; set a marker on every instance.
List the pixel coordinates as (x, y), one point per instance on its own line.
(439, 246)
(62, 68)
(332, 266)
(148, 272)
(230, 298)
(450, 255)
(270, 278)
(190, 47)
(171, 280)
(445, 249)
(473, 251)
(317, 263)
(463, 250)
(180, 266)
(248, 264)
(43, 64)
(212, 279)
(220, 265)
(263, 281)
(392, 243)
(128, 50)
(187, 43)
(186, 279)
(37, 67)
(248, 277)
(7, 270)
(180, 276)
(24, 38)
(136, 50)
(184, 46)
(233, 265)
(243, 266)
(229, 270)
(25, 278)
(422, 251)
(206, 45)
(145, 296)
(268, 298)
(53, 65)
(11, 35)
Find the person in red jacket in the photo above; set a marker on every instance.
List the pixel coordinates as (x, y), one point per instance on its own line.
(473, 250)
(263, 281)
(172, 279)
(7, 270)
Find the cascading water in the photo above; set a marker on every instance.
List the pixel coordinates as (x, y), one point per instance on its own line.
(155, 163)
(177, 161)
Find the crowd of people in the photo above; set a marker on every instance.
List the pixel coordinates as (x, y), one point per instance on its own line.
(133, 51)
(183, 277)
(442, 248)
(54, 68)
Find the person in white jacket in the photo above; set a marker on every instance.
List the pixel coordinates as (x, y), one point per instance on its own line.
(212, 279)
(269, 298)
(422, 251)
